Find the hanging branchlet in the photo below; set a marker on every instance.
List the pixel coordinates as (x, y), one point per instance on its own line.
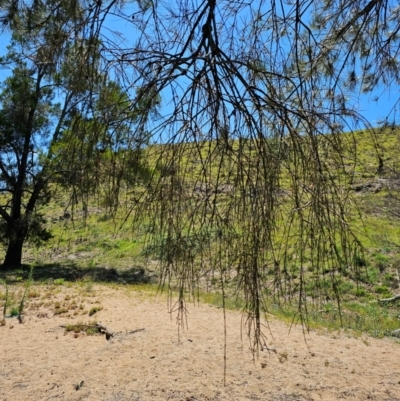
(256, 97)
(254, 138)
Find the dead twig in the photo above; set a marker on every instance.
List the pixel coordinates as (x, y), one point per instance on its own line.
(102, 329)
(396, 297)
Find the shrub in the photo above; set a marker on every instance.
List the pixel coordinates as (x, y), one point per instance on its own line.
(360, 292)
(382, 289)
(381, 261)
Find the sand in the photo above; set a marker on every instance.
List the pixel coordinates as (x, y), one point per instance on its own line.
(40, 362)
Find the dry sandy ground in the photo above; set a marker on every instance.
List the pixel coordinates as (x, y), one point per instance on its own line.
(40, 362)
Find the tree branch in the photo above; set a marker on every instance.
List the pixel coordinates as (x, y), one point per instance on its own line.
(4, 214)
(363, 12)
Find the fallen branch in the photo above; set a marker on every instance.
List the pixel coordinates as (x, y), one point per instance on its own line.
(100, 328)
(110, 334)
(134, 331)
(104, 330)
(396, 333)
(390, 299)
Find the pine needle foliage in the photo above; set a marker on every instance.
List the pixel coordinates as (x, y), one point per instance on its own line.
(258, 93)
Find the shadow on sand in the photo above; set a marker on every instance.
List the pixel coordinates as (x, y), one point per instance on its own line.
(72, 272)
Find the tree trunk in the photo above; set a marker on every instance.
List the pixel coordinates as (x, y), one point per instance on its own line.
(13, 259)
(18, 226)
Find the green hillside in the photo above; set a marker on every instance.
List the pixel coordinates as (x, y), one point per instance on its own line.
(101, 237)
(107, 244)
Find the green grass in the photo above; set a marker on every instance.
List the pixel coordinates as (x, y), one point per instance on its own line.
(14, 311)
(361, 314)
(94, 310)
(105, 248)
(355, 317)
(89, 328)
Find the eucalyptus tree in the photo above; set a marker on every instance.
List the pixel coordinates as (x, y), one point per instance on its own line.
(257, 93)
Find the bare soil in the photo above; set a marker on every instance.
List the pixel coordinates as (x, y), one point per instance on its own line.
(39, 361)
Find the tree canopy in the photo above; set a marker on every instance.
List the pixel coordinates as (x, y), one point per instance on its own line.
(62, 120)
(262, 91)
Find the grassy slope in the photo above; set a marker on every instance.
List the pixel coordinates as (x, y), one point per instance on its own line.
(110, 249)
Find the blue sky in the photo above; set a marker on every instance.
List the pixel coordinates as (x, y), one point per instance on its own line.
(375, 106)
(377, 111)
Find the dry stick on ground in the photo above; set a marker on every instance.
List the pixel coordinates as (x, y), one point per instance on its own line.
(390, 299)
(110, 334)
(396, 296)
(395, 333)
(398, 277)
(105, 330)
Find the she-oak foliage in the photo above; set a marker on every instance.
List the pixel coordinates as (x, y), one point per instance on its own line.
(254, 179)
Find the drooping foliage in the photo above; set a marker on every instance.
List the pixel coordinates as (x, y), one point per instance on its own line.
(258, 93)
(102, 153)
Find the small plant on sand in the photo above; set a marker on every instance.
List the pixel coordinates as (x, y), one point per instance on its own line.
(28, 284)
(14, 311)
(89, 287)
(283, 356)
(17, 310)
(89, 328)
(34, 293)
(3, 320)
(78, 386)
(94, 310)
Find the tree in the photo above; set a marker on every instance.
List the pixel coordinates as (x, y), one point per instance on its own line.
(19, 131)
(56, 102)
(271, 86)
(262, 92)
(43, 58)
(104, 150)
